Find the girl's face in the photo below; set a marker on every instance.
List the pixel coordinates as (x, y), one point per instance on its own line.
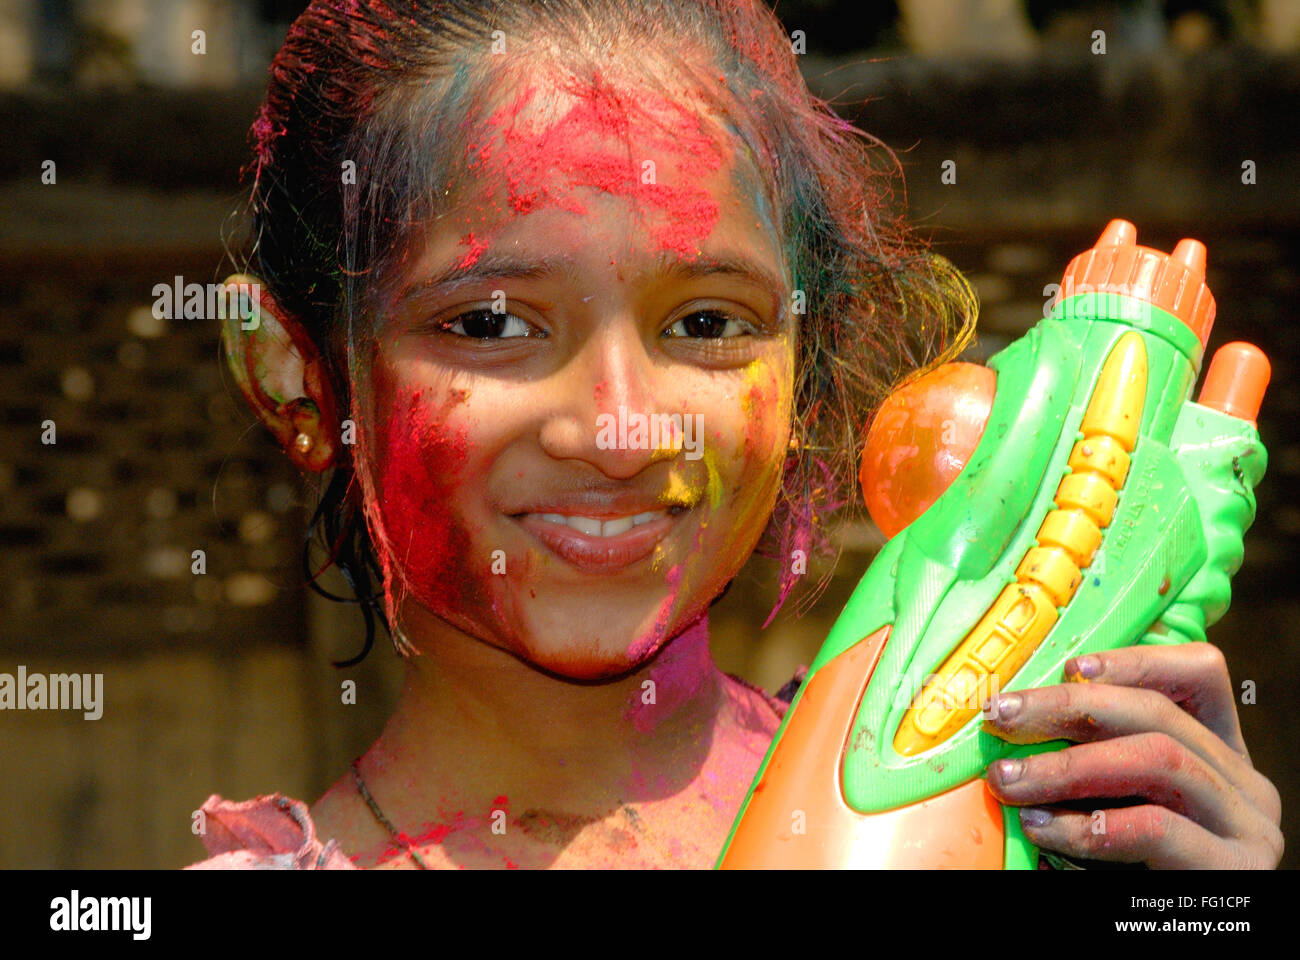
(576, 409)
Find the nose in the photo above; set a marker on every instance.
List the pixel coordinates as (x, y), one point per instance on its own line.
(608, 384)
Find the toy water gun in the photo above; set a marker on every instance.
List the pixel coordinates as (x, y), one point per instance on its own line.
(1067, 498)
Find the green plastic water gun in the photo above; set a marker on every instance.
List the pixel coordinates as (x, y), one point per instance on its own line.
(1067, 498)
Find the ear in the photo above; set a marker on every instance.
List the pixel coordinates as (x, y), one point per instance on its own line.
(280, 372)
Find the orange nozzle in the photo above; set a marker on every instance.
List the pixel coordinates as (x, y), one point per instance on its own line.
(1118, 233)
(1236, 381)
(1174, 282)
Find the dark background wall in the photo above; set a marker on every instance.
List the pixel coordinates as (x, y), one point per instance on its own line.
(221, 682)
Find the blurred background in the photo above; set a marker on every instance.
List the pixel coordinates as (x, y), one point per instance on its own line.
(1179, 116)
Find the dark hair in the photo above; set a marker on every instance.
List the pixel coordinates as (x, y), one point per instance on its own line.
(386, 86)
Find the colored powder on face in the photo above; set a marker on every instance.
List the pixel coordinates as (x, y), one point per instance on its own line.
(645, 644)
(679, 492)
(713, 487)
(754, 371)
(763, 404)
(542, 164)
(421, 460)
(477, 245)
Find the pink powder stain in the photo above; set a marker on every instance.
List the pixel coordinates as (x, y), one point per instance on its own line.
(641, 646)
(677, 678)
(541, 167)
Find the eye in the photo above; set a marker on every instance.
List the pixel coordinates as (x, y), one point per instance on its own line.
(488, 325)
(709, 325)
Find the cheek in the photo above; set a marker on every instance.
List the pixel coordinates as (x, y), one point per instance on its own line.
(425, 458)
(745, 454)
(764, 413)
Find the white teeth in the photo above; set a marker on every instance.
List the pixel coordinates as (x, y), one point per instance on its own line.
(588, 525)
(612, 528)
(597, 528)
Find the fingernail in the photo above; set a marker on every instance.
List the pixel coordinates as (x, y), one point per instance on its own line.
(1003, 709)
(1009, 771)
(1034, 817)
(1086, 667)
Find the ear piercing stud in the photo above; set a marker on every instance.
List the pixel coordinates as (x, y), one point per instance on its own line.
(303, 443)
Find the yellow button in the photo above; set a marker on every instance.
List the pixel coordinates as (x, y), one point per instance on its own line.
(1074, 532)
(1091, 494)
(1053, 568)
(1101, 454)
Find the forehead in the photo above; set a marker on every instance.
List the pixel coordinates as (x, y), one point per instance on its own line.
(649, 160)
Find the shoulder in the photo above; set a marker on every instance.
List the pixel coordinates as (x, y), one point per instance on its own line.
(271, 832)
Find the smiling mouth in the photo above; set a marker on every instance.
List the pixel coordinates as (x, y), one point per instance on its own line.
(601, 544)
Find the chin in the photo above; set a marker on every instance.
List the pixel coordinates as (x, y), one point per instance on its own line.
(596, 645)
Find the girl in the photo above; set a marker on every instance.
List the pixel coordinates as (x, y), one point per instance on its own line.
(495, 241)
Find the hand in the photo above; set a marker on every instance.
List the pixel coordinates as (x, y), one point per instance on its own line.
(1152, 722)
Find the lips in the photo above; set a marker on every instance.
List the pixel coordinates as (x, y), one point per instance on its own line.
(600, 544)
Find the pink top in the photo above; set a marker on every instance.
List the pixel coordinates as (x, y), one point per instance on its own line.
(276, 832)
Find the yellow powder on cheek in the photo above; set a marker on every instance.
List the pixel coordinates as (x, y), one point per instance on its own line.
(682, 493)
(679, 492)
(754, 376)
(714, 483)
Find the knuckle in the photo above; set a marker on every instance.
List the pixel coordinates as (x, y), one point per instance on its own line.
(1152, 822)
(1163, 752)
(1210, 661)
(1161, 712)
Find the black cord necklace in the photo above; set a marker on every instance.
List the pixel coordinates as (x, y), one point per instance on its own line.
(383, 820)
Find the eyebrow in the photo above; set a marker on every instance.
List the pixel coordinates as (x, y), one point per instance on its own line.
(504, 266)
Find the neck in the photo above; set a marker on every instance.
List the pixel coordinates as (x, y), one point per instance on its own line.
(474, 724)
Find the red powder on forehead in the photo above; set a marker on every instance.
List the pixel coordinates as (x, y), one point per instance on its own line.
(588, 146)
(476, 247)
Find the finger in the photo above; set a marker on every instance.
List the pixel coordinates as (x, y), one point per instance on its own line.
(1149, 834)
(1091, 712)
(1153, 766)
(1192, 675)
